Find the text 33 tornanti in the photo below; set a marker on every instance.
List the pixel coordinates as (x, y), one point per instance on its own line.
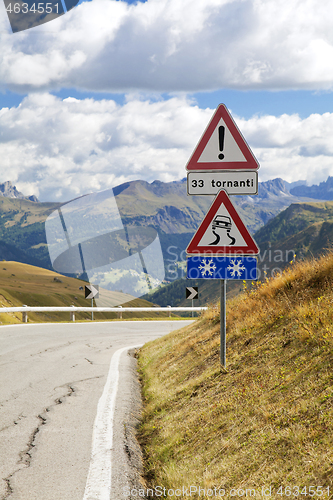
(198, 491)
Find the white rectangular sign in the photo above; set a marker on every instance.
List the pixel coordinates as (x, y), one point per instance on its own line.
(243, 182)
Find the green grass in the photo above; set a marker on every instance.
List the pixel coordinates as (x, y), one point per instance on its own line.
(265, 421)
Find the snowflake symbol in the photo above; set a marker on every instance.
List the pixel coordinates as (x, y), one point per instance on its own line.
(236, 267)
(207, 267)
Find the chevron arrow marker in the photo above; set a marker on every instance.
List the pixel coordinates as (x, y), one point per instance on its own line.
(192, 292)
(91, 291)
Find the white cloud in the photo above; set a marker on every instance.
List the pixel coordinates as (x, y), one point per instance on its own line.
(64, 148)
(290, 147)
(168, 45)
(60, 149)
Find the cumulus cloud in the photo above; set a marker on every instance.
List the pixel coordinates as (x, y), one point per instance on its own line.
(64, 148)
(60, 149)
(168, 45)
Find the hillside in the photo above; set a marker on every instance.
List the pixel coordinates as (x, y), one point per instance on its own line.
(302, 230)
(174, 294)
(266, 421)
(24, 284)
(22, 230)
(295, 219)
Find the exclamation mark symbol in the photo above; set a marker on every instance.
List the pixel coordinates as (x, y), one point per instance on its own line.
(221, 141)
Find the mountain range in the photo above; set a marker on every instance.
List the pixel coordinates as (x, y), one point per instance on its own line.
(164, 206)
(167, 207)
(324, 191)
(278, 217)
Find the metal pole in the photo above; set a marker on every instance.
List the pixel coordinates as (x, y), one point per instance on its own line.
(192, 308)
(223, 322)
(72, 315)
(92, 312)
(25, 315)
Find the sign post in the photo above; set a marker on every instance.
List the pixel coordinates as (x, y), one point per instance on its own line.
(91, 292)
(223, 322)
(222, 248)
(192, 293)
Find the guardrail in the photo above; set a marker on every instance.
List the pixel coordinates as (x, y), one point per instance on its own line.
(73, 309)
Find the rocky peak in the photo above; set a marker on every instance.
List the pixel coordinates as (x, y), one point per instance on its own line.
(273, 187)
(323, 191)
(9, 191)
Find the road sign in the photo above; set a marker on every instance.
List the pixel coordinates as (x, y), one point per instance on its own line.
(243, 182)
(192, 292)
(222, 231)
(222, 146)
(239, 267)
(91, 291)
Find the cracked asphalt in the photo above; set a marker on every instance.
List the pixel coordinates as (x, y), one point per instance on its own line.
(52, 376)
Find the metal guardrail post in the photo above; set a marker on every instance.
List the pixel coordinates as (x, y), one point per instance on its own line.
(120, 314)
(24, 315)
(72, 315)
(169, 312)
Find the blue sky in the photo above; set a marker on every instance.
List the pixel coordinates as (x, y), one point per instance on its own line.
(115, 91)
(243, 103)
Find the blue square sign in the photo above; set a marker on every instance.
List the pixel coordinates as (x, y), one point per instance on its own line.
(238, 267)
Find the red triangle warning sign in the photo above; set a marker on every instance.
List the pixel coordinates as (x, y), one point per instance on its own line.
(222, 231)
(222, 146)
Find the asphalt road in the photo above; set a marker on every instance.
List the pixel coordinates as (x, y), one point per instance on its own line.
(69, 403)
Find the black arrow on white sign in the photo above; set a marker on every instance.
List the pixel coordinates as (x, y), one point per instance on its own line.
(192, 292)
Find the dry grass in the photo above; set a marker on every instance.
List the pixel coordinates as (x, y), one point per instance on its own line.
(267, 420)
(34, 286)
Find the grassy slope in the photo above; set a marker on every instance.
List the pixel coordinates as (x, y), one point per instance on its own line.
(295, 219)
(267, 420)
(24, 284)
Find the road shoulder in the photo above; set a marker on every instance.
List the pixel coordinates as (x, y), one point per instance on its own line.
(127, 467)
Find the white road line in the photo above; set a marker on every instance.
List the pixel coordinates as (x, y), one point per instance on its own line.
(98, 485)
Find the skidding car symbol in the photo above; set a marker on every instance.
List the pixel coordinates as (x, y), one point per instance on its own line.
(221, 221)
